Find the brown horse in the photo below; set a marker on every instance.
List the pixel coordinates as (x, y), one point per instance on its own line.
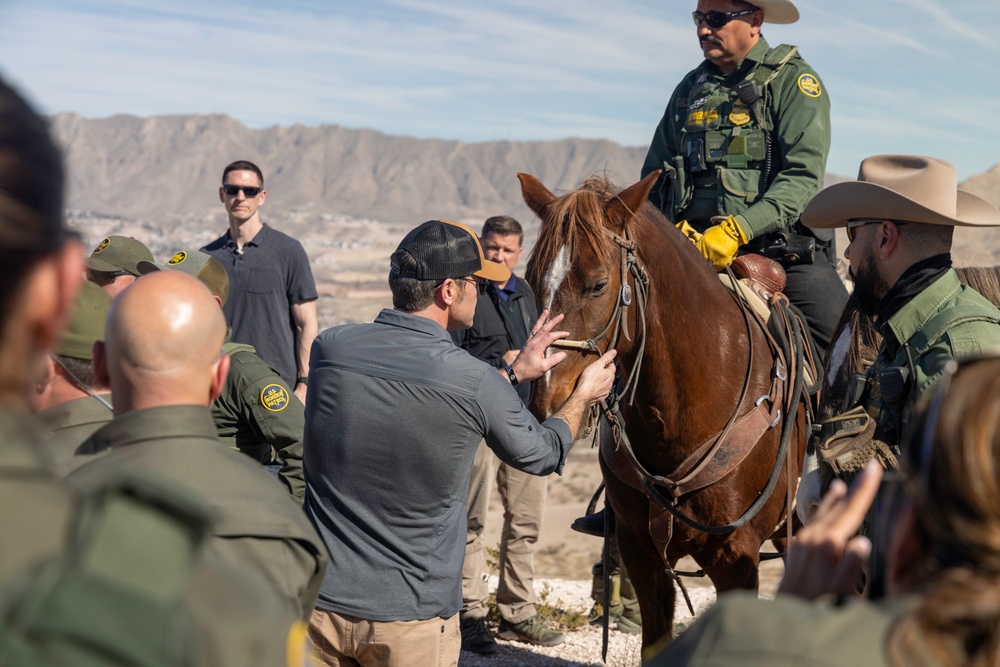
(693, 362)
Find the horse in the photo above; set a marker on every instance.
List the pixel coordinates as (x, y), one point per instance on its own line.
(853, 351)
(624, 276)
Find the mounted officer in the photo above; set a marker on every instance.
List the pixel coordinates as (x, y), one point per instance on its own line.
(743, 145)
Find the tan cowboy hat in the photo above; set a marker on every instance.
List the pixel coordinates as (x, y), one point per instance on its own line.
(911, 188)
(778, 11)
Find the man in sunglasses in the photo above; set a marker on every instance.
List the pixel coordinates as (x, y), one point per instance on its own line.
(112, 265)
(395, 417)
(743, 146)
(900, 216)
(270, 280)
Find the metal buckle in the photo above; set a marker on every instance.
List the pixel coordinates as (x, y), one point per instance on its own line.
(776, 419)
(765, 397)
(779, 371)
(626, 296)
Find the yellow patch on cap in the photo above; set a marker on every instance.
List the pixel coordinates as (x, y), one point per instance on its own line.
(809, 85)
(102, 245)
(274, 398)
(178, 258)
(298, 646)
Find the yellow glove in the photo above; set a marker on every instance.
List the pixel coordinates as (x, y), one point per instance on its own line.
(719, 243)
(689, 231)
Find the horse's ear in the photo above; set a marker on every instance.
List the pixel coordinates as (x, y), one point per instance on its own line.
(628, 202)
(536, 195)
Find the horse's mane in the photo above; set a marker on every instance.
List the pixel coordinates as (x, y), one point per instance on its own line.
(983, 279)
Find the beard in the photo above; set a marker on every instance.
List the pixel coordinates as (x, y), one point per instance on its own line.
(869, 288)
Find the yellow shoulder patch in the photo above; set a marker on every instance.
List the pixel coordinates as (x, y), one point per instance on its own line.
(298, 646)
(809, 84)
(178, 258)
(102, 245)
(274, 398)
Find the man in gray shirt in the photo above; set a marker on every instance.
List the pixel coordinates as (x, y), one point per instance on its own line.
(394, 416)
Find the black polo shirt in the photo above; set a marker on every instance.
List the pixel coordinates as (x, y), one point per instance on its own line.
(266, 278)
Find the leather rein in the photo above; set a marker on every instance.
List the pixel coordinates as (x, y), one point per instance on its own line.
(696, 463)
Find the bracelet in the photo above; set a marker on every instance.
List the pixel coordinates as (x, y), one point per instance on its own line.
(509, 370)
(302, 380)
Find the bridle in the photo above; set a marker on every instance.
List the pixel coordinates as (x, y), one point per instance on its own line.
(617, 323)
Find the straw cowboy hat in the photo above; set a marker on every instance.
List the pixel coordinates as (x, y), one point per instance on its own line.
(911, 188)
(777, 11)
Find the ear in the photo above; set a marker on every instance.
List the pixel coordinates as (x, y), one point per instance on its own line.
(536, 195)
(220, 370)
(627, 203)
(218, 299)
(100, 364)
(888, 240)
(447, 293)
(52, 290)
(263, 198)
(40, 390)
(222, 199)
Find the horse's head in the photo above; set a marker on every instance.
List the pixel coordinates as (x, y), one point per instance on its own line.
(576, 268)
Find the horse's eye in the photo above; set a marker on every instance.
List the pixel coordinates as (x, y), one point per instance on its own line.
(598, 287)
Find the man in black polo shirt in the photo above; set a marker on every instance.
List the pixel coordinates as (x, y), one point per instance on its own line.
(500, 329)
(272, 294)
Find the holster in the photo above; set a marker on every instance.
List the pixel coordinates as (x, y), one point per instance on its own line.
(847, 442)
(785, 247)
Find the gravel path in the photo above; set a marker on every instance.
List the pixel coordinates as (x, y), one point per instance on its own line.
(582, 647)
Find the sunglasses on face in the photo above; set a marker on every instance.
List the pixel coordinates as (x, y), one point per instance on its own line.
(716, 19)
(480, 284)
(854, 224)
(233, 190)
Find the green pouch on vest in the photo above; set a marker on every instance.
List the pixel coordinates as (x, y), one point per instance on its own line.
(113, 597)
(847, 442)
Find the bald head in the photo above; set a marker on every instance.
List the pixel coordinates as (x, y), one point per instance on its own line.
(163, 344)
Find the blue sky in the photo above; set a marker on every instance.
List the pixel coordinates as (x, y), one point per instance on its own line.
(904, 76)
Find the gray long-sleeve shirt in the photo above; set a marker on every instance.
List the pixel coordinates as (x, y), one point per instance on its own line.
(394, 415)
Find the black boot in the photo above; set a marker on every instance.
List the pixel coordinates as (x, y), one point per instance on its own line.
(593, 524)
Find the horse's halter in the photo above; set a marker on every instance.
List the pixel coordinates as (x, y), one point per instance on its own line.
(618, 320)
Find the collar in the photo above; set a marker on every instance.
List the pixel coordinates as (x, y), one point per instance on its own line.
(255, 241)
(915, 313)
(169, 421)
(403, 320)
(84, 410)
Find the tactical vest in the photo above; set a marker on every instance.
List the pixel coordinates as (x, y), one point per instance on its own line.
(890, 392)
(112, 597)
(725, 143)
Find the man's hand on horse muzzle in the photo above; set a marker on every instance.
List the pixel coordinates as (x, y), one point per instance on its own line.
(719, 243)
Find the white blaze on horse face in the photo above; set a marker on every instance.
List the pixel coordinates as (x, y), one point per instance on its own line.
(556, 276)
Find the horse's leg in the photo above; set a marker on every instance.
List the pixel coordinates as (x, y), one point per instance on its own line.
(643, 562)
(734, 564)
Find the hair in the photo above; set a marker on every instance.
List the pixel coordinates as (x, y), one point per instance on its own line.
(243, 165)
(957, 503)
(101, 278)
(928, 240)
(80, 370)
(31, 193)
(503, 225)
(409, 294)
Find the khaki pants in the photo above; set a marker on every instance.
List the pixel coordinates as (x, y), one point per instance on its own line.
(523, 497)
(346, 641)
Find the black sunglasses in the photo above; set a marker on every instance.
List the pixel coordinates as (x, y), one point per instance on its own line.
(233, 190)
(481, 284)
(716, 19)
(854, 224)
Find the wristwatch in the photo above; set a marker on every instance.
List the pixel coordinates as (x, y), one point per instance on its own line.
(302, 380)
(509, 370)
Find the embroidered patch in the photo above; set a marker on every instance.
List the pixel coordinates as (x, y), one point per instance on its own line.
(178, 258)
(809, 85)
(740, 115)
(274, 398)
(698, 103)
(102, 245)
(702, 117)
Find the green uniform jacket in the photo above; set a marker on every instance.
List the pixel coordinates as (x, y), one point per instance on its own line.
(117, 575)
(259, 526)
(742, 631)
(258, 414)
(948, 320)
(66, 426)
(705, 120)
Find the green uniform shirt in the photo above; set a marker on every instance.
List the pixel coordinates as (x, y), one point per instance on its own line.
(258, 414)
(948, 320)
(742, 631)
(117, 575)
(259, 527)
(705, 121)
(67, 425)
